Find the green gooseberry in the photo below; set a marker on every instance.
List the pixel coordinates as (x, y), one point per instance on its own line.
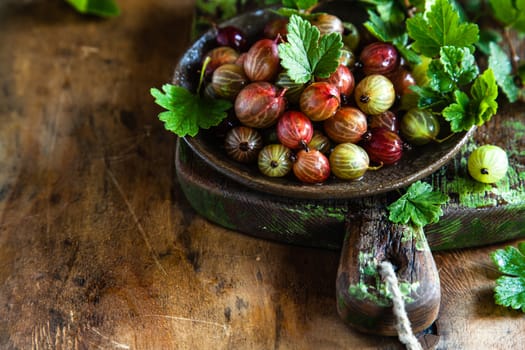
(488, 164)
(419, 126)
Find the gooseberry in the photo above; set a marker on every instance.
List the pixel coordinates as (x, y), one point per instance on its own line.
(320, 142)
(343, 79)
(262, 62)
(231, 36)
(294, 129)
(227, 80)
(374, 94)
(311, 166)
(378, 58)
(293, 89)
(320, 100)
(347, 125)
(419, 126)
(259, 104)
(327, 23)
(388, 120)
(402, 80)
(275, 28)
(219, 56)
(274, 160)
(488, 164)
(351, 36)
(243, 144)
(383, 146)
(349, 161)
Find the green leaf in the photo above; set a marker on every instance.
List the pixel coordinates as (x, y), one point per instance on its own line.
(510, 288)
(459, 63)
(455, 67)
(510, 292)
(401, 44)
(484, 93)
(458, 114)
(510, 13)
(420, 205)
(377, 27)
(439, 79)
(500, 64)
(511, 260)
(102, 8)
(188, 113)
(299, 4)
(430, 98)
(307, 54)
(441, 26)
(477, 109)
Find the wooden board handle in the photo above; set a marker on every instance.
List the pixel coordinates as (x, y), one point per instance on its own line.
(361, 298)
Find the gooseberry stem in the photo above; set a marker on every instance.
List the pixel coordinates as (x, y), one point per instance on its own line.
(443, 139)
(203, 70)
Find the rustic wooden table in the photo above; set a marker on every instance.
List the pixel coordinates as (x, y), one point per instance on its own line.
(99, 247)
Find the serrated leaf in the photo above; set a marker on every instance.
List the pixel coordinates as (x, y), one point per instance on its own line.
(377, 27)
(307, 54)
(420, 205)
(459, 63)
(510, 292)
(328, 55)
(439, 80)
(441, 26)
(458, 114)
(401, 44)
(500, 64)
(392, 32)
(188, 113)
(510, 288)
(510, 260)
(484, 93)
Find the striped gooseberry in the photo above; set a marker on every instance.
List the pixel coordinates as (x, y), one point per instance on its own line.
(419, 126)
(274, 160)
(262, 62)
(311, 166)
(294, 129)
(379, 58)
(227, 80)
(347, 125)
(243, 144)
(259, 104)
(349, 161)
(383, 146)
(320, 100)
(374, 94)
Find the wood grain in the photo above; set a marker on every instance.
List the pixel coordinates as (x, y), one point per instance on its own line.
(371, 239)
(99, 247)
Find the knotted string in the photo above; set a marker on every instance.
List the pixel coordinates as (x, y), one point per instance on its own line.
(403, 327)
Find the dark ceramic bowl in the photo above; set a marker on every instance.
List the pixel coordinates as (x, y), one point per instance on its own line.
(414, 165)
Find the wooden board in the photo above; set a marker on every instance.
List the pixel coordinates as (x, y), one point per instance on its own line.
(477, 214)
(99, 247)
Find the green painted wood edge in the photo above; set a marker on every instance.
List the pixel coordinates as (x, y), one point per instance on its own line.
(321, 223)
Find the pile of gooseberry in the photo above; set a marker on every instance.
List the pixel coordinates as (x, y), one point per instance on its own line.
(343, 125)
